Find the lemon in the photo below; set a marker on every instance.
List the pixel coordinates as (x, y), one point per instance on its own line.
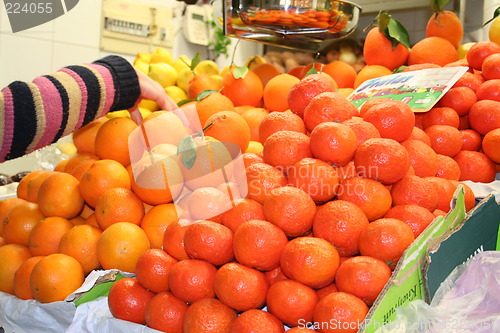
(217, 78)
(254, 147)
(208, 67)
(181, 63)
(144, 112)
(176, 93)
(227, 69)
(161, 55)
(149, 104)
(163, 73)
(143, 56)
(67, 148)
(463, 49)
(185, 75)
(118, 114)
(494, 32)
(254, 61)
(141, 65)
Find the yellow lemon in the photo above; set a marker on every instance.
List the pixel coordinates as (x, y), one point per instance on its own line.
(254, 147)
(463, 49)
(161, 55)
(141, 65)
(149, 104)
(67, 148)
(494, 32)
(163, 73)
(254, 61)
(176, 93)
(182, 62)
(185, 75)
(227, 69)
(143, 56)
(144, 112)
(118, 114)
(208, 67)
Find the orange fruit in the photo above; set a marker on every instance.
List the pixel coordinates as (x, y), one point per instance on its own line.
(489, 69)
(165, 312)
(417, 67)
(471, 140)
(212, 104)
(331, 288)
(417, 217)
(59, 195)
(415, 190)
(363, 129)
(22, 278)
(265, 72)
(34, 185)
(80, 169)
(5, 206)
(371, 196)
(153, 268)
(363, 277)
(192, 280)
(369, 103)
(61, 165)
(111, 140)
(343, 309)
(262, 178)
(255, 320)
(280, 121)
(340, 222)
(92, 221)
(460, 99)
(370, 72)
(445, 139)
(470, 80)
(434, 50)
(19, 222)
(76, 160)
(311, 261)
(46, 235)
(245, 209)
(55, 277)
(101, 176)
(303, 91)
(464, 123)
(484, 116)
(423, 159)
(173, 240)
(258, 244)
(385, 239)
(316, 177)
(491, 144)
(12, 256)
(275, 275)
(342, 72)
(246, 90)
(156, 221)
(291, 209)
(251, 158)
(200, 83)
(118, 204)
(393, 119)
(84, 137)
(276, 91)
(441, 116)
(489, 90)
(474, 166)
(283, 149)
(299, 329)
(447, 168)
(334, 143)
(127, 300)
(209, 241)
(291, 302)
(445, 191)
(240, 287)
(208, 315)
(447, 25)
(80, 242)
(379, 50)
(382, 159)
(22, 187)
(326, 107)
(254, 117)
(228, 126)
(480, 51)
(121, 245)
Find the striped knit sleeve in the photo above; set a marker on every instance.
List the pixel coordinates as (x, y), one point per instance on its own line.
(38, 113)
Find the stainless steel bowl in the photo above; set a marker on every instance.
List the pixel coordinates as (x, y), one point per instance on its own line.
(296, 24)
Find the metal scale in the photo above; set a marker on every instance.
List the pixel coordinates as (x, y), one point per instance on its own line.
(295, 24)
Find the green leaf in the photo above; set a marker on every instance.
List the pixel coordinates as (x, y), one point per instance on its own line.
(187, 149)
(438, 5)
(98, 290)
(204, 94)
(195, 61)
(495, 15)
(185, 101)
(399, 69)
(383, 19)
(240, 72)
(397, 33)
(311, 70)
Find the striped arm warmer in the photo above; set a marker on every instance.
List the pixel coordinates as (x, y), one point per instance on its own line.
(36, 114)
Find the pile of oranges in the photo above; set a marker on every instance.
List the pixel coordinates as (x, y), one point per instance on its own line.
(335, 196)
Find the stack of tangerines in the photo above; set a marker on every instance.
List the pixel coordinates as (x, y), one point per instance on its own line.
(335, 196)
